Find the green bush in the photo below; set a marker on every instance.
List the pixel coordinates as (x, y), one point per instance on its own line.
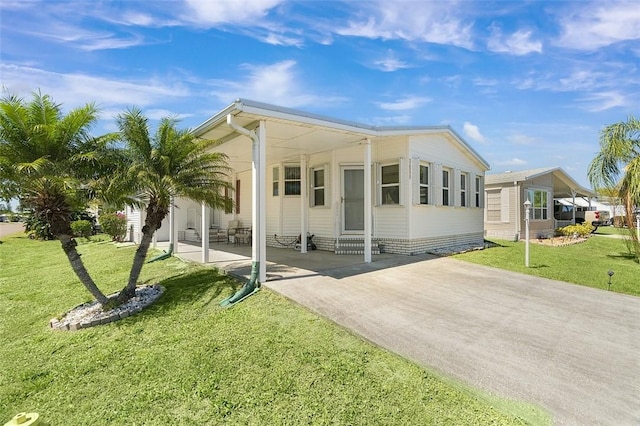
(37, 228)
(82, 228)
(114, 225)
(581, 230)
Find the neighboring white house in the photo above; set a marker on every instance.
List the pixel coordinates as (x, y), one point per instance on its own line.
(506, 193)
(410, 189)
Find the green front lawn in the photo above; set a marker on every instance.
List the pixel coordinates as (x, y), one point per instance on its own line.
(611, 230)
(585, 263)
(185, 360)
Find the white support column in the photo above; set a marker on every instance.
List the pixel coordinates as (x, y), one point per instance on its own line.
(172, 225)
(367, 201)
(259, 211)
(304, 203)
(573, 194)
(205, 233)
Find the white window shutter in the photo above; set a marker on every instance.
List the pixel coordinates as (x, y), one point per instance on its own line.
(456, 188)
(327, 186)
(437, 184)
(402, 181)
(504, 204)
(415, 181)
(376, 188)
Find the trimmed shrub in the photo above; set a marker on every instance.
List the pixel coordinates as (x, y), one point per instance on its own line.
(581, 230)
(114, 225)
(82, 228)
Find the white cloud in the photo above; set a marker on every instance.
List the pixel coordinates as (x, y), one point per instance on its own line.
(521, 139)
(237, 12)
(281, 40)
(277, 84)
(411, 102)
(395, 120)
(473, 132)
(433, 22)
(390, 64)
(518, 43)
(601, 101)
(77, 89)
(598, 24)
(511, 162)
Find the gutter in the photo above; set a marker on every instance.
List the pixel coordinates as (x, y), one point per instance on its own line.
(253, 285)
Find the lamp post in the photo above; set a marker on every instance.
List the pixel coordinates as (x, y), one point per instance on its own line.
(527, 213)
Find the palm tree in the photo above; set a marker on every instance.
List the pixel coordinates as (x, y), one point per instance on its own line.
(46, 156)
(170, 163)
(618, 165)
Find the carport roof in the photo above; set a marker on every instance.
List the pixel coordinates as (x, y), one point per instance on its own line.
(563, 184)
(294, 132)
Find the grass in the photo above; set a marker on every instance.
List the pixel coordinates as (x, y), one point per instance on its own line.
(185, 360)
(585, 263)
(611, 230)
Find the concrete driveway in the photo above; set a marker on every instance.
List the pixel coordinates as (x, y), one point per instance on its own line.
(573, 350)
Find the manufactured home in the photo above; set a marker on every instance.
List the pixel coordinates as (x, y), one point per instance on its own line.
(356, 188)
(506, 193)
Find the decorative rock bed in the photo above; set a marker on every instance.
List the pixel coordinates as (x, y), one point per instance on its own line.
(91, 314)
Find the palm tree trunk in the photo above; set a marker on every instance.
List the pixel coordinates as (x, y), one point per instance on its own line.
(69, 247)
(138, 261)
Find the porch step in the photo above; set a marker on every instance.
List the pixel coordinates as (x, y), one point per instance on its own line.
(355, 245)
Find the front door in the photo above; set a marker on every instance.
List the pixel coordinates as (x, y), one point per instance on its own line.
(352, 200)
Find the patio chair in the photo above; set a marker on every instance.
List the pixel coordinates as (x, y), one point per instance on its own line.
(232, 229)
(243, 236)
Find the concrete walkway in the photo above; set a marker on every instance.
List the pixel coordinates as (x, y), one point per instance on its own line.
(573, 350)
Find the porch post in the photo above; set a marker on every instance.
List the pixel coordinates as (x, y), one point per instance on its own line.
(367, 201)
(573, 194)
(259, 211)
(172, 225)
(205, 233)
(304, 205)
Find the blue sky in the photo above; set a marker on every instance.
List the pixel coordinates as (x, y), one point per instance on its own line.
(527, 83)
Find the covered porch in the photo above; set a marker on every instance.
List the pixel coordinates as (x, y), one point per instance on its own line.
(286, 262)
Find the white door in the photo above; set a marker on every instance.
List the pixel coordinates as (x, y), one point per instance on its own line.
(352, 200)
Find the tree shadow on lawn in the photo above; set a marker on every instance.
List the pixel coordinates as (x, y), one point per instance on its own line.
(627, 256)
(185, 288)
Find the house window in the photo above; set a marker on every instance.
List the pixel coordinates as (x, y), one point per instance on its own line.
(445, 187)
(477, 204)
(390, 187)
(424, 184)
(463, 189)
(292, 180)
(318, 187)
(539, 205)
(494, 206)
(276, 181)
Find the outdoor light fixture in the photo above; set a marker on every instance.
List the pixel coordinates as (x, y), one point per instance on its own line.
(610, 273)
(527, 210)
